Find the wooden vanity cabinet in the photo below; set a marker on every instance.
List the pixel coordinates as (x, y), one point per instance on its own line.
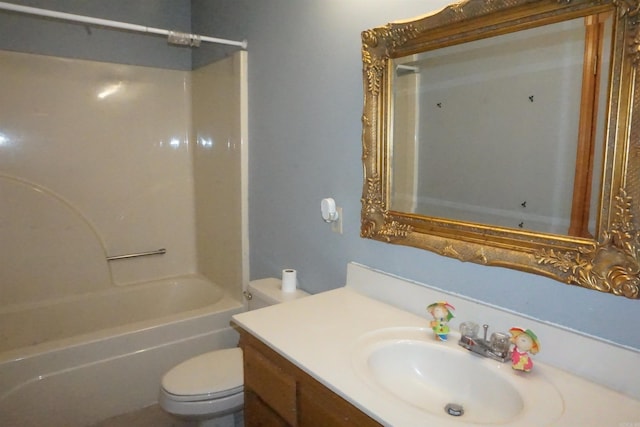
(277, 393)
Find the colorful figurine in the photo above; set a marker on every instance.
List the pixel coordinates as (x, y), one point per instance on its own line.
(441, 312)
(525, 342)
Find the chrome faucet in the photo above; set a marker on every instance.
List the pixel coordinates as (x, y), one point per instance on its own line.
(496, 348)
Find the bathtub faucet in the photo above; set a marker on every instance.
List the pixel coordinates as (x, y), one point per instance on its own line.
(496, 348)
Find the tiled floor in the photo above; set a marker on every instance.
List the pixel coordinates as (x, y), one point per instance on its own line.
(151, 416)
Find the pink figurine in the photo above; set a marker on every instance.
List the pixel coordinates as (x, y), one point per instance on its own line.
(441, 312)
(525, 342)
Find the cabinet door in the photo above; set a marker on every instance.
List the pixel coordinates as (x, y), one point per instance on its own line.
(258, 414)
(271, 382)
(319, 406)
(277, 393)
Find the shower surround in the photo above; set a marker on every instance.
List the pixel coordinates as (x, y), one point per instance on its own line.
(120, 145)
(101, 159)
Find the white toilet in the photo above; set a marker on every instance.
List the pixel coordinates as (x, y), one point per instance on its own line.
(209, 388)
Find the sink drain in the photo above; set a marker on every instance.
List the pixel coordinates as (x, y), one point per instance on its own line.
(454, 409)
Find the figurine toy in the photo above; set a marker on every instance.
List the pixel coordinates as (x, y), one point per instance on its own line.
(525, 342)
(441, 312)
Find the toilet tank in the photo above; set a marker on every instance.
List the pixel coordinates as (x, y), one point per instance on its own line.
(266, 292)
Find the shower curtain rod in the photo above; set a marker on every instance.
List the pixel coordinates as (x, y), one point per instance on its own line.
(173, 37)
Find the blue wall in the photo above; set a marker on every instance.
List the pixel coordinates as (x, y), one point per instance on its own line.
(305, 95)
(25, 33)
(305, 105)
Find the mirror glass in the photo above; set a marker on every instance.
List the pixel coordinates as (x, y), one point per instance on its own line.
(506, 134)
(488, 131)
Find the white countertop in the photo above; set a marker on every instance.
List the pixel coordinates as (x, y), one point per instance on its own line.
(319, 334)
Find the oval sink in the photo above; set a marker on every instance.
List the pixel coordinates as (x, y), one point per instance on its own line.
(431, 377)
(448, 381)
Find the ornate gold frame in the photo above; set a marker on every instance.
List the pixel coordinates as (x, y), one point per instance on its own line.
(608, 263)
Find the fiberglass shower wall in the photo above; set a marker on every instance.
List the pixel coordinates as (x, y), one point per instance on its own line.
(116, 146)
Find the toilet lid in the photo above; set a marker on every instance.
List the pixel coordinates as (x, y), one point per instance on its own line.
(210, 375)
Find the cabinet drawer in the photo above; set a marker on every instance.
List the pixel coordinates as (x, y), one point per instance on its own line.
(272, 384)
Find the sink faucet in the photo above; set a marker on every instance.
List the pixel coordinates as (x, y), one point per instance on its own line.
(496, 348)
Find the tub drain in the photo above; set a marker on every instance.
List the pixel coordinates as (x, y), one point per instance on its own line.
(454, 409)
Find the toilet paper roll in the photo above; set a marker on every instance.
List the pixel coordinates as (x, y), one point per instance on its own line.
(289, 280)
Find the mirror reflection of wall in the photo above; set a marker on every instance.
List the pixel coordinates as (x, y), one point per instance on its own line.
(489, 131)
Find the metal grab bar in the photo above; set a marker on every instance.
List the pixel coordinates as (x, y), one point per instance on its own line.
(160, 251)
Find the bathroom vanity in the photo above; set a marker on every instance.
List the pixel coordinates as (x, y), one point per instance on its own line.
(340, 358)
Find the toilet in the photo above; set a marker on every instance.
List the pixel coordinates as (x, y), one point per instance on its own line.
(210, 387)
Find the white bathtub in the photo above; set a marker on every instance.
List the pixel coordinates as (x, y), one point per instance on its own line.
(78, 360)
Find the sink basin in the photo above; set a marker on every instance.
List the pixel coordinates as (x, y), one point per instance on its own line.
(448, 381)
(431, 377)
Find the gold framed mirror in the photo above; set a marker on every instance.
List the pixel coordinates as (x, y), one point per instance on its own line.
(507, 133)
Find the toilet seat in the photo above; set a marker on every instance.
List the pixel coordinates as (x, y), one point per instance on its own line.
(209, 384)
(205, 396)
(206, 408)
(212, 375)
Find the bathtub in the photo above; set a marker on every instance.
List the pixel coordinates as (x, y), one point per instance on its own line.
(77, 360)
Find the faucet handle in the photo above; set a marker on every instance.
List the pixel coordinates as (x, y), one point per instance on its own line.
(499, 342)
(469, 329)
